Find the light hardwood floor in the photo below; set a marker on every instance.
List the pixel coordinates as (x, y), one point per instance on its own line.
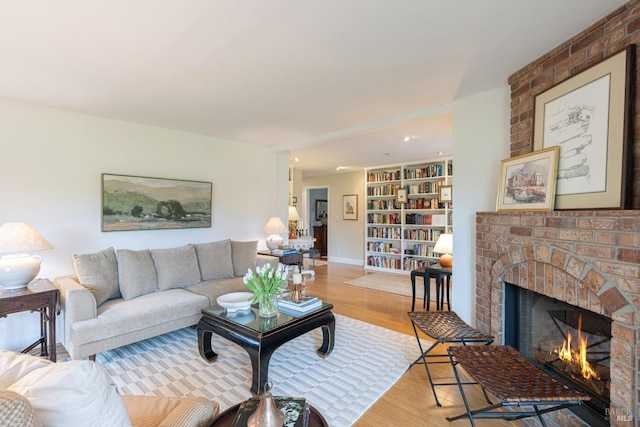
(410, 401)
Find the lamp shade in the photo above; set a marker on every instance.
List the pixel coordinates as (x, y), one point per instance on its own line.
(444, 246)
(17, 270)
(21, 237)
(293, 214)
(274, 227)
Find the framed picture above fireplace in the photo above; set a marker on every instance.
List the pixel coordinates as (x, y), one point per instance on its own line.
(588, 117)
(528, 182)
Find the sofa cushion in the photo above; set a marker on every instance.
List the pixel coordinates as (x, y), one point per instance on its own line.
(98, 272)
(214, 288)
(118, 317)
(77, 393)
(136, 272)
(244, 255)
(215, 259)
(176, 267)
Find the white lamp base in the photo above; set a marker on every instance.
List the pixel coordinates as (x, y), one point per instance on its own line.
(16, 271)
(273, 241)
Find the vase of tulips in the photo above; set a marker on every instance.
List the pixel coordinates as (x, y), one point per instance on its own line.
(266, 284)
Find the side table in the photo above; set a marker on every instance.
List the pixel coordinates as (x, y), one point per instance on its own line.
(439, 273)
(288, 259)
(41, 296)
(225, 418)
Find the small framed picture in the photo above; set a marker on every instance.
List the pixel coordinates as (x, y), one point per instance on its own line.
(445, 193)
(401, 195)
(294, 200)
(350, 207)
(528, 182)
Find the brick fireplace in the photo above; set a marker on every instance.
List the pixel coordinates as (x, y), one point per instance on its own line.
(589, 259)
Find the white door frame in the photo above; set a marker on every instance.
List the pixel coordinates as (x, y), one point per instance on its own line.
(305, 203)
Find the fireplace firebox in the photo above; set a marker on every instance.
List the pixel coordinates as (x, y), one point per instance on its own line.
(566, 341)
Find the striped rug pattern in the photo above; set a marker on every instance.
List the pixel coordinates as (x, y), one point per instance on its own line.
(366, 361)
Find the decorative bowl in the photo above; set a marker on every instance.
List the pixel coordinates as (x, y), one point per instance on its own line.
(235, 301)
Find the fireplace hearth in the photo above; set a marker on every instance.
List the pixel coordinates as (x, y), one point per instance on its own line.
(569, 343)
(587, 259)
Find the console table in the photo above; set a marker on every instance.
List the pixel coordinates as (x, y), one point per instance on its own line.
(439, 273)
(40, 296)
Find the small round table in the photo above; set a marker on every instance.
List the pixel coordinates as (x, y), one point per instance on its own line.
(225, 419)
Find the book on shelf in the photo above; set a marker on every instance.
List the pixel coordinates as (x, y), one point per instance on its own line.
(295, 410)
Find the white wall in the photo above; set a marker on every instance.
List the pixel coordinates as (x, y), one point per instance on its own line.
(345, 237)
(480, 141)
(50, 176)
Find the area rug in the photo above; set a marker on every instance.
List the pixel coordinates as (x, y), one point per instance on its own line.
(394, 283)
(366, 361)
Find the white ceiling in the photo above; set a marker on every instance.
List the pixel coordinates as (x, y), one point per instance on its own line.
(336, 82)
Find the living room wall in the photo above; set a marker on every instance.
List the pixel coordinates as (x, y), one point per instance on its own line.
(51, 177)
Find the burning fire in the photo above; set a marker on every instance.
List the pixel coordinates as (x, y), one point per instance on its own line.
(577, 357)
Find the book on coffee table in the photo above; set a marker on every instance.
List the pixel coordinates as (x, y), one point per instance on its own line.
(295, 410)
(305, 304)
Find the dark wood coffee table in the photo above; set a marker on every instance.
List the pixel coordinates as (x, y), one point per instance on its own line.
(260, 337)
(225, 418)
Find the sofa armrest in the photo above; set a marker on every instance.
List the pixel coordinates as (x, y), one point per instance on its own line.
(77, 302)
(263, 260)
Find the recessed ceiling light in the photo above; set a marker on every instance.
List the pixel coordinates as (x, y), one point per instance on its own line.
(296, 159)
(339, 168)
(407, 138)
(440, 153)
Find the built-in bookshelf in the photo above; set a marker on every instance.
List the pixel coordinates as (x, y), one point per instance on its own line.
(401, 233)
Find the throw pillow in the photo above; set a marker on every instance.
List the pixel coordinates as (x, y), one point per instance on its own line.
(215, 260)
(98, 272)
(244, 256)
(15, 410)
(136, 272)
(14, 366)
(176, 267)
(78, 393)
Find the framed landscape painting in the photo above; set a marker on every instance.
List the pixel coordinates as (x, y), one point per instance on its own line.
(528, 182)
(143, 203)
(587, 117)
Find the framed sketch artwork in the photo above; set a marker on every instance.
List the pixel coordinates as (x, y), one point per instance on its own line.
(528, 182)
(587, 117)
(143, 203)
(350, 207)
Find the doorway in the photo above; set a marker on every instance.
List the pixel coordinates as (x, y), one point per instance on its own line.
(318, 217)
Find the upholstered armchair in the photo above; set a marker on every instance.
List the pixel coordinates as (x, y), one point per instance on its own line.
(36, 392)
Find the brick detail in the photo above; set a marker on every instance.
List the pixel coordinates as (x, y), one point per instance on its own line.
(605, 37)
(585, 258)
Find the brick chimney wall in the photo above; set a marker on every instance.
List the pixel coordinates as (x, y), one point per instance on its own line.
(605, 37)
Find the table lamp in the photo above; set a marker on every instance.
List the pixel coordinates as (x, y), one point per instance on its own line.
(18, 269)
(293, 221)
(444, 247)
(274, 228)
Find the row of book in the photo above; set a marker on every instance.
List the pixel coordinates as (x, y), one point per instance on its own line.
(379, 205)
(384, 262)
(375, 218)
(382, 190)
(425, 187)
(420, 249)
(422, 234)
(422, 203)
(384, 232)
(384, 247)
(381, 176)
(419, 219)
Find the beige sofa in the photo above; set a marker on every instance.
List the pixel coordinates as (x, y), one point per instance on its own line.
(119, 297)
(36, 392)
